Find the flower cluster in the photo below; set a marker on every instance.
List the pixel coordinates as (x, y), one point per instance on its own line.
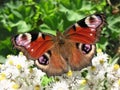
(100, 76)
(18, 73)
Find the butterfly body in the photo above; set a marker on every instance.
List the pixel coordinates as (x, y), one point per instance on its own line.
(72, 49)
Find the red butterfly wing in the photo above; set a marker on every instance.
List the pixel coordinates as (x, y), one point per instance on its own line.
(82, 37)
(33, 45)
(86, 30)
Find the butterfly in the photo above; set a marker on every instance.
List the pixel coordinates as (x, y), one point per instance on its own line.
(57, 54)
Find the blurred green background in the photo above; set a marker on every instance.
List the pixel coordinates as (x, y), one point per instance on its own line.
(19, 16)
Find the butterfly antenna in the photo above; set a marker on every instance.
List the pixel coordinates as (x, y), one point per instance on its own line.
(58, 31)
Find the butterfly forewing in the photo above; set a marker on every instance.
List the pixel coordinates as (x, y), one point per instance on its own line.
(87, 30)
(33, 45)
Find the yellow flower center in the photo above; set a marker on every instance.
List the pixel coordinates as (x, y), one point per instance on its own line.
(119, 82)
(2, 76)
(30, 70)
(11, 62)
(8, 56)
(37, 87)
(19, 66)
(93, 68)
(83, 82)
(69, 73)
(0, 65)
(116, 67)
(102, 61)
(16, 86)
(21, 53)
(99, 50)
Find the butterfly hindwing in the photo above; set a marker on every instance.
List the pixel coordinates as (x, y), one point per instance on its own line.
(82, 55)
(56, 64)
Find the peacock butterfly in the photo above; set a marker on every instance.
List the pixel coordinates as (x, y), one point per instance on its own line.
(72, 49)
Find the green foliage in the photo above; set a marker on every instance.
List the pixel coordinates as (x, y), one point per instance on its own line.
(19, 16)
(46, 80)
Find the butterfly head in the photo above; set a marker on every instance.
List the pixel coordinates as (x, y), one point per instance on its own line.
(60, 38)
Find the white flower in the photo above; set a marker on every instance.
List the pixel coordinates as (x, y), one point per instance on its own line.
(100, 59)
(5, 85)
(100, 76)
(60, 86)
(116, 85)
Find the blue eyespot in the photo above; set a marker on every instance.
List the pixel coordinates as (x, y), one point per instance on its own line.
(86, 48)
(43, 60)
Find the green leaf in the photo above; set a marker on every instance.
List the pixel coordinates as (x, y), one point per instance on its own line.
(11, 16)
(22, 26)
(114, 23)
(17, 14)
(5, 47)
(71, 15)
(84, 73)
(46, 80)
(113, 60)
(6, 24)
(63, 9)
(86, 6)
(46, 29)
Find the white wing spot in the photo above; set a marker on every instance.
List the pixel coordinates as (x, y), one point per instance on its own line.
(40, 34)
(91, 34)
(92, 29)
(77, 25)
(28, 46)
(32, 50)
